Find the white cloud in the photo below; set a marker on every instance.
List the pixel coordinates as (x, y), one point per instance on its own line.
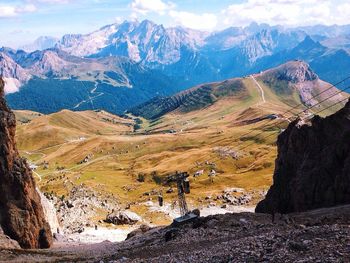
(50, 1)
(146, 6)
(7, 11)
(195, 21)
(286, 12)
(27, 6)
(344, 10)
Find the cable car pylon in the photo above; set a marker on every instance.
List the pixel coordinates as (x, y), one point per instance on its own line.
(183, 187)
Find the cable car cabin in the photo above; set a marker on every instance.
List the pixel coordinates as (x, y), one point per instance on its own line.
(160, 200)
(186, 185)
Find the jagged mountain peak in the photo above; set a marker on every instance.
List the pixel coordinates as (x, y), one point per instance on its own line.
(13, 74)
(41, 43)
(140, 41)
(308, 43)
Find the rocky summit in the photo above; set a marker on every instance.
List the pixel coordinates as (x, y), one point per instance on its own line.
(21, 214)
(312, 167)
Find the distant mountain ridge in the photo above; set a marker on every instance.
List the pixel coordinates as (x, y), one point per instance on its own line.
(181, 56)
(198, 57)
(41, 43)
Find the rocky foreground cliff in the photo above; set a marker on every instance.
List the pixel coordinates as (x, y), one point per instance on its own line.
(312, 167)
(316, 236)
(21, 214)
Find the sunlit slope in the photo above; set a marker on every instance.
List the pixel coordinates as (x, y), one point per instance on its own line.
(118, 160)
(284, 87)
(64, 126)
(25, 116)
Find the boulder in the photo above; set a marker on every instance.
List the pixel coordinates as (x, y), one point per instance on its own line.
(123, 218)
(137, 232)
(312, 167)
(21, 214)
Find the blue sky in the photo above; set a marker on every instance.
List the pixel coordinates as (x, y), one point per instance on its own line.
(21, 21)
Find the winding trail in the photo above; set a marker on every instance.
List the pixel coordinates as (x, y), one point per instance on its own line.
(260, 88)
(90, 99)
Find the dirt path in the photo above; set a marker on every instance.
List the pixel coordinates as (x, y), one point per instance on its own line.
(260, 89)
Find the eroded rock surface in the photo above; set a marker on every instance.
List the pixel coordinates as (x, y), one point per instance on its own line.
(123, 218)
(6, 242)
(315, 236)
(312, 167)
(21, 214)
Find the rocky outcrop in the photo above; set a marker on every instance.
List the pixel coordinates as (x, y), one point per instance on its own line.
(79, 208)
(6, 242)
(122, 218)
(21, 214)
(13, 73)
(312, 166)
(293, 72)
(50, 213)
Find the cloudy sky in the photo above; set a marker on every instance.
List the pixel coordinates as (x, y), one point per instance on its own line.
(21, 21)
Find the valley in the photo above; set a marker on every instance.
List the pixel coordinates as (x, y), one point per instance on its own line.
(121, 162)
(174, 131)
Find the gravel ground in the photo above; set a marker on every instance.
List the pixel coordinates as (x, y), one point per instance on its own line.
(317, 236)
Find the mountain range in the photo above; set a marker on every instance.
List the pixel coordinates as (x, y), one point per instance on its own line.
(121, 65)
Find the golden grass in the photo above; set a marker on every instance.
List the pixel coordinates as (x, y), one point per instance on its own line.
(119, 155)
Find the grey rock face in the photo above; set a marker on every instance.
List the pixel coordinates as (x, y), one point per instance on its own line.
(312, 166)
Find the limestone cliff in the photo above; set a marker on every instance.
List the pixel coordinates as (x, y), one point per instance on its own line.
(21, 214)
(312, 167)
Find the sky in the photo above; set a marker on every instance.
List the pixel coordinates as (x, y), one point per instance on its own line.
(22, 21)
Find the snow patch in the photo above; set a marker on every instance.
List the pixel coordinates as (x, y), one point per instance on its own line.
(90, 235)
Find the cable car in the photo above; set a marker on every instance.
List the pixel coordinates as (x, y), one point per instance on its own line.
(160, 200)
(186, 183)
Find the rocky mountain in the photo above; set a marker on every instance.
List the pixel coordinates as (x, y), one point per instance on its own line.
(140, 41)
(296, 77)
(174, 49)
(313, 166)
(268, 42)
(22, 216)
(13, 73)
(181, 56)
(196, 57)
(41, 43)
(332, 65)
